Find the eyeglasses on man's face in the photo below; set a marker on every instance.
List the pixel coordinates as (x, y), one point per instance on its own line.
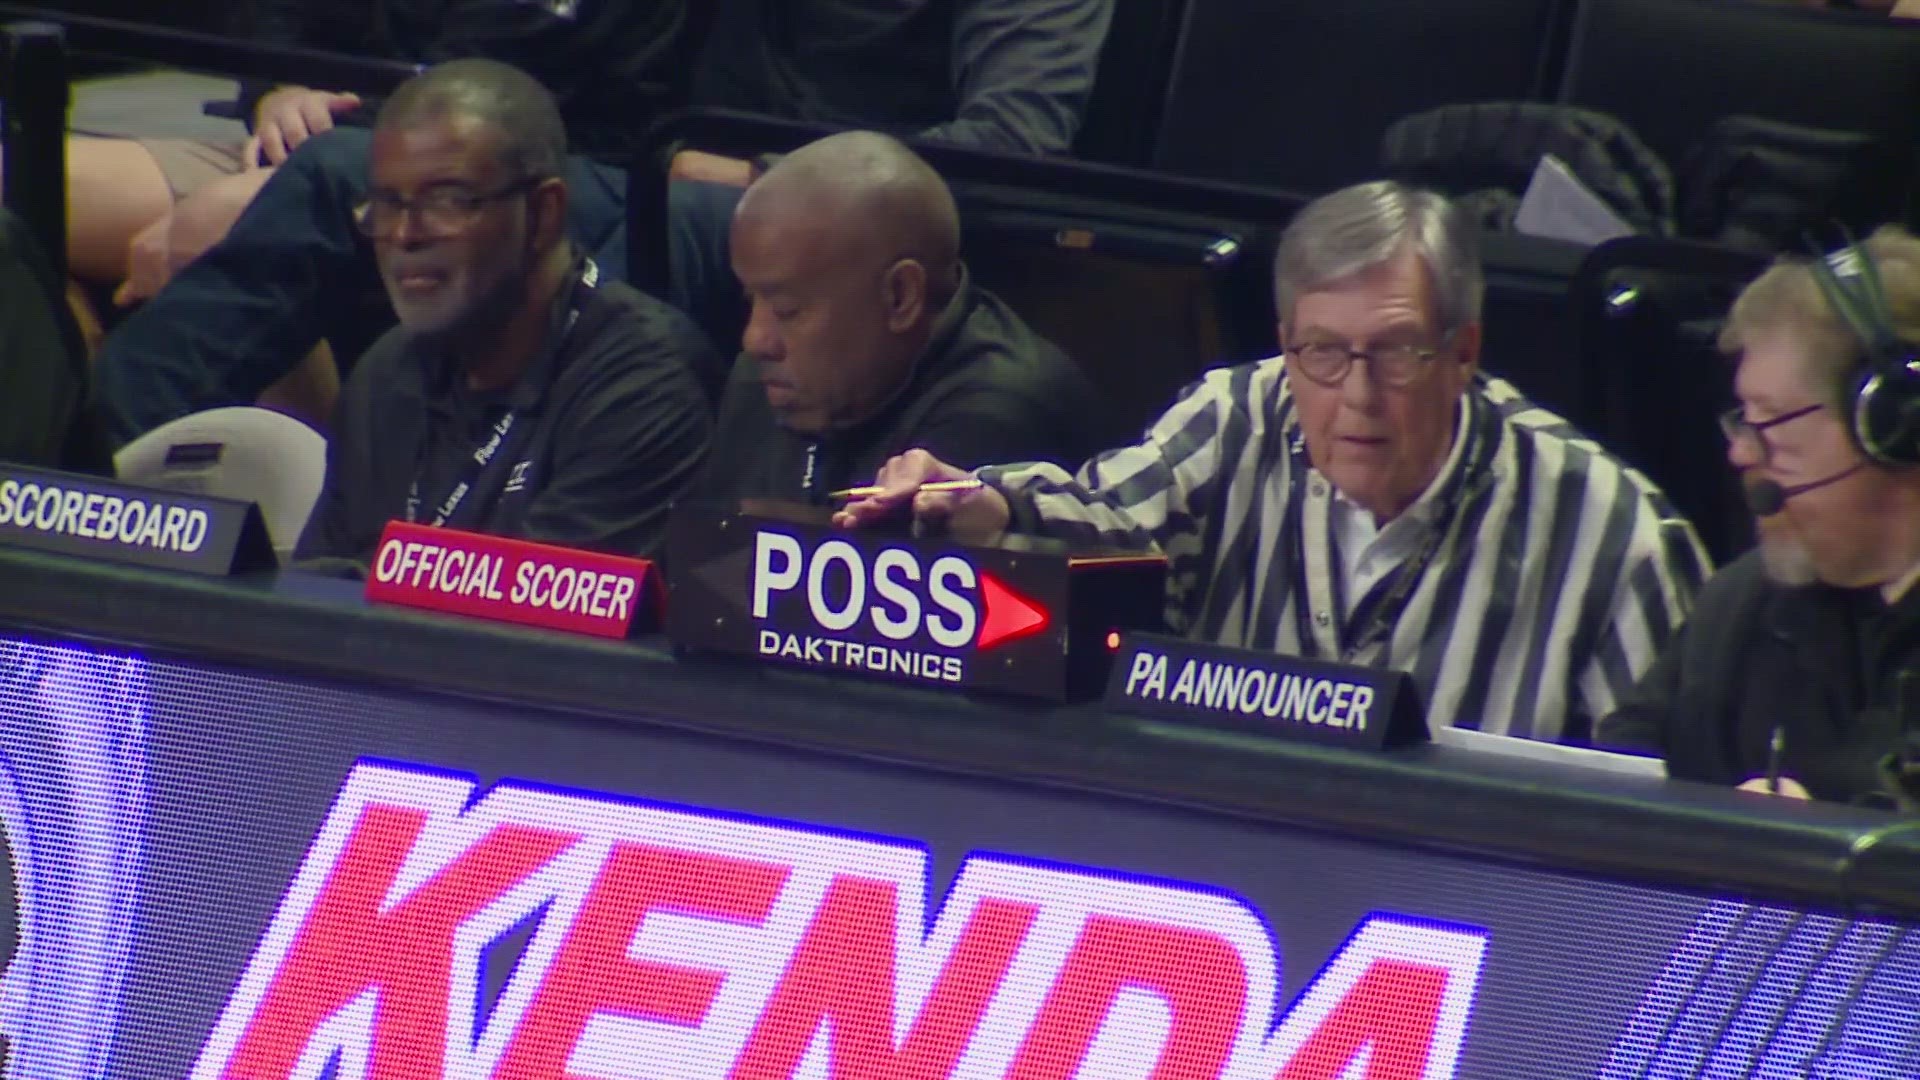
(1327, 362)
(440, 213)
(1738, 429)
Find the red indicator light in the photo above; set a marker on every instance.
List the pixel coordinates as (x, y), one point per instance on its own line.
(1006, 615)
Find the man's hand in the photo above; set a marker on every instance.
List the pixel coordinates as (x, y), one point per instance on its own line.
(700, 166)
(980, 512)
(1789, 789)
(291, 115)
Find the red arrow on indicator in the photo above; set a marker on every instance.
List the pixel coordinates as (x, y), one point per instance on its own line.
(1006, 615)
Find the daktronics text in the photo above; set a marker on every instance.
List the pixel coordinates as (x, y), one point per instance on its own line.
(673, 943)
(881, 611)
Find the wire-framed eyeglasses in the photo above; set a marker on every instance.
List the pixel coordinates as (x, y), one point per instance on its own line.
(1736, 427)
(440, 213)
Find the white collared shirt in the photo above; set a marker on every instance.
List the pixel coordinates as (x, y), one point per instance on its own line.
(1368, 553)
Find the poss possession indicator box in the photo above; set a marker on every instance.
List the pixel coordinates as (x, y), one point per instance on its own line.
(1033, 618)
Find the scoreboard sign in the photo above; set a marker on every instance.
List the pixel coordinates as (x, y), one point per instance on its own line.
(112, 521)
(1029, 617)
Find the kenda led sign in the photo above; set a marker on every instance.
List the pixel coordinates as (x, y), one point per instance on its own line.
(675, 942)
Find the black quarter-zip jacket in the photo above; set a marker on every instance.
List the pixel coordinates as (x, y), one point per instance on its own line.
(1822, 665)
(987, 389)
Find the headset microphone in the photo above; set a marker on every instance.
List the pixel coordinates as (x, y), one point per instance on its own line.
(1766, 498)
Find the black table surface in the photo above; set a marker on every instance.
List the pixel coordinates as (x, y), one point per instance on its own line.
(1628, 828)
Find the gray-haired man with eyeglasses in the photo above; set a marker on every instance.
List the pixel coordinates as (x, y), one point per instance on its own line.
(1799, 672)
(1372, 497)
(520, 394)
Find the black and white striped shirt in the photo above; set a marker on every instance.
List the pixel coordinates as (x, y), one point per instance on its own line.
(1558, 575)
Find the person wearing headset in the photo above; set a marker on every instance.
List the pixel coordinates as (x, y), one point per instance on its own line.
(1798, 671)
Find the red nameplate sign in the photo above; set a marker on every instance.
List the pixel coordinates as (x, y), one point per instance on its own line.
(516, 581)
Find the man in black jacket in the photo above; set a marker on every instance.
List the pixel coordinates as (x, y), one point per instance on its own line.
(1799, 668)
(520, 394)
(867, 338)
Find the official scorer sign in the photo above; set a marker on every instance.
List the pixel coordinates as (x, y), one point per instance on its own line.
(673, 942)
(512, 580)
(1029, 619)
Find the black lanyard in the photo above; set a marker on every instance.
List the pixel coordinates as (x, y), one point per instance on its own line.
(813, 480)
(506, 432)
(476, 466)
(1379, 612)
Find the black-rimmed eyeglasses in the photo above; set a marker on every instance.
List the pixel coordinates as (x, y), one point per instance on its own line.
(1327, 362)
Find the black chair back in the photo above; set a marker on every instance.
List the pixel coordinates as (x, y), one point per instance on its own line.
(1529, 341)
(1297, 93)
(1647, 314)
(170, 45)
(1123, 116)
(1671, 68)
(746, 135)
(44, 373)
(33, 147)
(1143, 301)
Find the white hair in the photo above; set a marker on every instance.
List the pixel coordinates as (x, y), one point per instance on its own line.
(1358, 228)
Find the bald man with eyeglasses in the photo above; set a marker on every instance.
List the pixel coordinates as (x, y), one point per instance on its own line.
(1371, 497)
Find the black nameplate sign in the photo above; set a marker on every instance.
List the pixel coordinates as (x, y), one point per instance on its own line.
(1172, 679)
(1028, 617)
(98, 518)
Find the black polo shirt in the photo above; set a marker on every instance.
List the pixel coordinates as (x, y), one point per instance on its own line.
(988, 389)
(608, 426)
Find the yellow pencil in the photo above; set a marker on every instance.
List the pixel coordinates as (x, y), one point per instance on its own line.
(938, 485)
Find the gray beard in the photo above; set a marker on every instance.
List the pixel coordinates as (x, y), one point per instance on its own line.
(1787, 562)
(487, 316)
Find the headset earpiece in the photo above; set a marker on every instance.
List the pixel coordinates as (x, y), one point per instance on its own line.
(1885, 419)
(1886, 413)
